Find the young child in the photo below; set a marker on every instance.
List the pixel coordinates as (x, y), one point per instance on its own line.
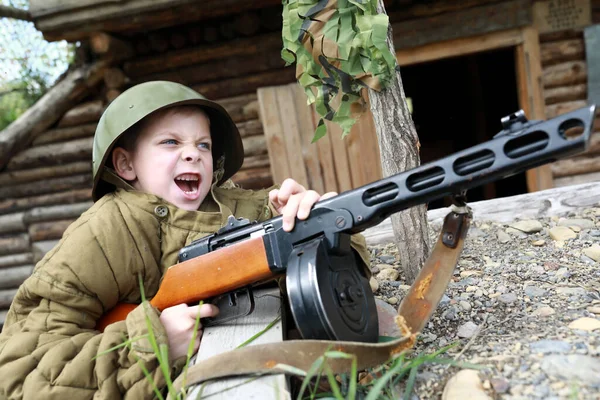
(162, 158)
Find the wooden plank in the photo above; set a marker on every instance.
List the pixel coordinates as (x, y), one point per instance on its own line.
(291, 135)
(567, 73)
(306, 127)
(561, 108)
(363, 151)
(6, 297)
(340, 157)
(12, 223)
(68, 197)
(63, 134)
(41, 173)
(14, 244)
(270, 117)
(463, 23)
(565, 93)
(560, 15)
(325, 151)
(562, 50)
(221, 338)
(458, 47)
(44, 187)
(531, 98)
(592, 51)
(576, 166)
(542, 204)
(577, 179)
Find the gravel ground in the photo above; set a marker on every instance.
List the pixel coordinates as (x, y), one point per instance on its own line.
(524, 303)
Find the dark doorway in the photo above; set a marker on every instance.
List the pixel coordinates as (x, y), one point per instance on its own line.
(457, 103)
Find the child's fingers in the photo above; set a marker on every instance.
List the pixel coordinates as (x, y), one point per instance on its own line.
(290, 211)
(205, 310)
(308, 200)
(288, 188)
(328, 195)
(273, 195)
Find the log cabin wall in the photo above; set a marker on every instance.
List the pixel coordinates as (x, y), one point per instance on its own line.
(46, 186)
(563, 58)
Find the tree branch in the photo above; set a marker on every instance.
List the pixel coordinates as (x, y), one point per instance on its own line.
(16, 13)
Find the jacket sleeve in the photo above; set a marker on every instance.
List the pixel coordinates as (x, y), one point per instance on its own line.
(49, 347)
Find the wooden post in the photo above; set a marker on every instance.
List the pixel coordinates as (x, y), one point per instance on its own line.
(531, 98)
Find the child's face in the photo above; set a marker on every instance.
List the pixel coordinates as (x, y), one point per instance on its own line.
(172, 158)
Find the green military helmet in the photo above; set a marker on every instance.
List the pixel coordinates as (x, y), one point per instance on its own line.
(140, 101)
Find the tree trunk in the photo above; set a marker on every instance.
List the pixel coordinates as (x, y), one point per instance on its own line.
(399, 146)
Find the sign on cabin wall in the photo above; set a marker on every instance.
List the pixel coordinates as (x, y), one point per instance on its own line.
(560, 15)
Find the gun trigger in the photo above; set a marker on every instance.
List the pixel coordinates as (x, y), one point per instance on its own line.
(232, 305)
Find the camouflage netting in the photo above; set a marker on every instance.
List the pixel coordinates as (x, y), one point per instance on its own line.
(340, 48)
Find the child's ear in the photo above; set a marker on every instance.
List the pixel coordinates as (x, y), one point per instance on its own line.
(123, 162)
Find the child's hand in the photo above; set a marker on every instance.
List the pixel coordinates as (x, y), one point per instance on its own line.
(179, 323)
(293, 200)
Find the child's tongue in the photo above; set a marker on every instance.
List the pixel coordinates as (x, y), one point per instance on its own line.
(187, 186)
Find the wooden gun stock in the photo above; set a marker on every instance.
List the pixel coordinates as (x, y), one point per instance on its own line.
(203, 277)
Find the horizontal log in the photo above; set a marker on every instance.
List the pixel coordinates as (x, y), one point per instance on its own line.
(247, 23)
(14, 244)
(254, 178)
(560, 108)
(112, 94)
(3, 314)
(57, 212)
(47, 186)
(561, 51)
(177, 39)
(64, 134)
(13, 260)
(82, 114)
(115, 78)
(41, 231)
(565, 93)
(563, 74)
(66, 197)
(38, 174)
(250, 128)
(259, 161)
(11, 223)
(594, 146)
(39, 249)
(575, 166)
(14, 276)
(238, 107)
(202, 54)
(47, 110)
(561, 35)
(248, 84)
(254, 145)
(110, 48)
(52, 154)
(6, 297)
(135, 16)
(231, 67)
(576, 179)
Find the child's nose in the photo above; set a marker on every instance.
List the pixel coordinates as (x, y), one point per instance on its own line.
(191, 154)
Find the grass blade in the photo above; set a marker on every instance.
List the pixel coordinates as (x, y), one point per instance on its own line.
(258, 334)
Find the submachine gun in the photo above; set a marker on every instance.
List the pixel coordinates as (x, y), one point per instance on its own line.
(328, 291)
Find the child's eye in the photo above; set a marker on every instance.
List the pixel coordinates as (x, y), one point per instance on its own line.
(169, 141)
(204, 145)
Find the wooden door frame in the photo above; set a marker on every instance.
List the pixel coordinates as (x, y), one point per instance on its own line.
(528, 69)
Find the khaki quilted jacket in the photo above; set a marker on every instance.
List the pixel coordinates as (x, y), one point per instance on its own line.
(49, 347)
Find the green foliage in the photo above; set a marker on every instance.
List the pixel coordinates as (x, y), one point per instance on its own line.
(29, 65)
(339, 49)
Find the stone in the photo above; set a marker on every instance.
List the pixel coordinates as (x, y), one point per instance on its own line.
(578, 367)
(374, 284)
(467, 330)
(594, 309)
(534, 291)
(585, 324)
(544, 311)
(393, 300)
(465, 384)
(503, 237)
(516, 232)
(561, 233)
(465, 305)
(579, 222)
(528, 226)
(538, 242)
(593, 252)
(550, 346)
(500, 385)
(388, 274)
(507, 298)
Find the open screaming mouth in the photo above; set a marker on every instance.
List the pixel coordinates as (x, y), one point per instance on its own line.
(188, 183)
